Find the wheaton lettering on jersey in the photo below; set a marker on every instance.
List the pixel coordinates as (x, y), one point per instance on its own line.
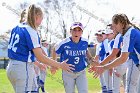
(76, 53)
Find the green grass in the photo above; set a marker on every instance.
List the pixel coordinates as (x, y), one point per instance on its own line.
(53, 83)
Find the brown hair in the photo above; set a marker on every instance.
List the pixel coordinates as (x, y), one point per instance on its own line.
(123, 19)
(22, 16)
(32, 12)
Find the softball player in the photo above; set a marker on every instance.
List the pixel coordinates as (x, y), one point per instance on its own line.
(101, 53)
(130, 48)
(37, 67)
(112, 54)
(104, 52)
(110, 37)
(43, 72)
(75, 49)
(118, 71)
(24, 46)
(40, 71)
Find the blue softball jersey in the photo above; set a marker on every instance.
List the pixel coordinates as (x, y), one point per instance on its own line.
(74, 52)
(23, 39)
(110, 45)
(118, 41)
(103, 50)
(131, 43)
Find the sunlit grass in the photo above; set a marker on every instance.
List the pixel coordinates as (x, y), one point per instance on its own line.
(53, 83)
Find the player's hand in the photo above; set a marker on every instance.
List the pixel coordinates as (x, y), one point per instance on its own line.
(117, 74)
(95, 45)
(98, 71)
(53, 70)
(93, 60)
(42, 66)
(67, 67)
(91, 69)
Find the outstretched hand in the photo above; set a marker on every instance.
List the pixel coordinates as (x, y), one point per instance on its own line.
(53, 70)
(98, 71)
(94, 66)
(67, 67)
(91, 69)
(117, 74)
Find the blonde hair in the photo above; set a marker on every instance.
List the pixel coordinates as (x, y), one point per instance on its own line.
(22, 16)
(32, 12)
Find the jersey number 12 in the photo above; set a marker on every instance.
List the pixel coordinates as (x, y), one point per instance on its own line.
(13, 42)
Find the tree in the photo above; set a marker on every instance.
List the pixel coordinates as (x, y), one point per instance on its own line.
(63, 13)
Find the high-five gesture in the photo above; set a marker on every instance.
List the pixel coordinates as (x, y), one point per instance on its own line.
(67, 67)
(98, 71)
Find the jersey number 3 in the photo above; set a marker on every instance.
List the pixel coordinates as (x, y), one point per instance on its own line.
(76, 60)
(13, 42)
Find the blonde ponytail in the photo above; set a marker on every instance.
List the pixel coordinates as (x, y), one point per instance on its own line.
(32, 12)
(23, 16)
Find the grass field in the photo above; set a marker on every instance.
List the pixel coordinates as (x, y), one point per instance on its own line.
(53, 83)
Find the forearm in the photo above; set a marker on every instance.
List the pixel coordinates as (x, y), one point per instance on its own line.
(107, 59)
(44, 52)
(115, 63)
(89, 55)
(94, 61)
(42, 58)
(54, 55)
(50, 61)
(111, 56)
(40, 65)
(36, 63)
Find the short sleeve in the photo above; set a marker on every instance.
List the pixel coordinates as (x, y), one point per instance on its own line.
(33, 40)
